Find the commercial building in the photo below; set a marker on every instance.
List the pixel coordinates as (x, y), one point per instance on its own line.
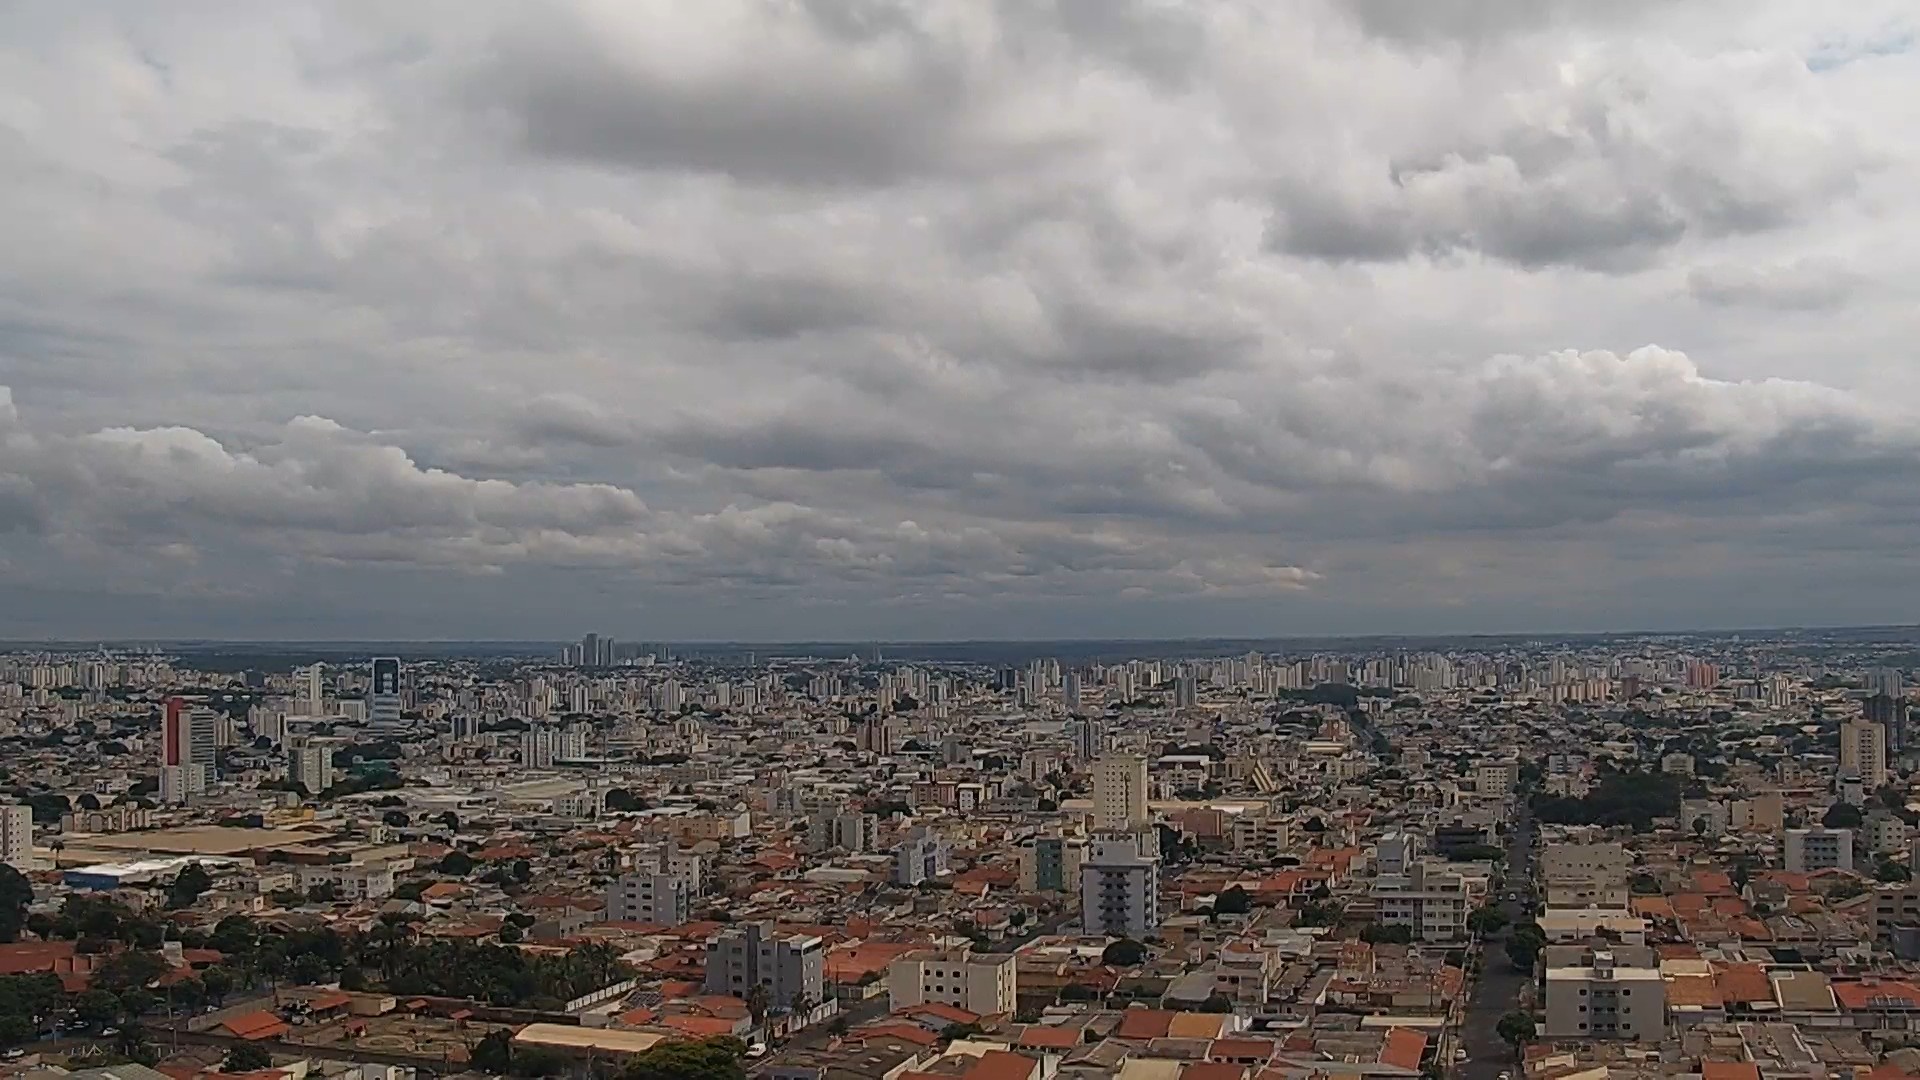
(383, 699)
(1586, 875)
(189, 739)
(982, 983)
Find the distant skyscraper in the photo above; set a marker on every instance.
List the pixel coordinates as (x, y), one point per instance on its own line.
(1088, 738)
(1070, 691)
(383, 700)
(311, 694)
(1863, 752)
(189, 738)
(1185, 692)
(1886, 682)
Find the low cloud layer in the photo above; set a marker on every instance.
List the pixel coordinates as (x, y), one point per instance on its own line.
(950, 319)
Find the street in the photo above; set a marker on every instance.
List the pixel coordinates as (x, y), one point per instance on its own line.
(1497, 991)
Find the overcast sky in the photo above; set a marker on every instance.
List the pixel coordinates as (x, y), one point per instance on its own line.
(774, 319)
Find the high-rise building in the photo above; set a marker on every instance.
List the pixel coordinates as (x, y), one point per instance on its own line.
(1120, 887)
(383, 699)
(310, 697)
(1863, 752)
(1887, 682)
(1186, 692)
(16, 837)
(1808, 850)
(922, 856)
(1120, 792)
(1089, 738)
(310, 764)
(189, 739)
(1070, 691)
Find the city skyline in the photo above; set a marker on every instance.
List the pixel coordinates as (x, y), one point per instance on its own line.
(997, 321)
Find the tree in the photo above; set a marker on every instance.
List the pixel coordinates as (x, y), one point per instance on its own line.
(757, 1002)
(188, 885)
(1124, 953)
(493, 1053)
(309, 969)
(1842, 816)
(324, 892)
(16, 895)
(1377, 934)
(1487, 920)
(247, 1058)
(1892, 872)
(1521, 952)
(716, 1058)
(1517, 1028)
(1232, 901)
(457, 864)
(97, 1007)
(510, 934)
(1216, 1003)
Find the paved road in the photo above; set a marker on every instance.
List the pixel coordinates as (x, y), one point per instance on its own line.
(1497, 991)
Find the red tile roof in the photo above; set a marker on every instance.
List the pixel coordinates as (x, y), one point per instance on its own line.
(1729, 1070)
(256, 1025)
(1403, 1049)
(1144, 1024)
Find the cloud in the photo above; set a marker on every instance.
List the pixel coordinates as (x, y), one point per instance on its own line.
(957, 318)
(1805, 284)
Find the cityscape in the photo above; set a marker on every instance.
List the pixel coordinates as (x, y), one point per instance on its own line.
(960, 540)
(1638, 854)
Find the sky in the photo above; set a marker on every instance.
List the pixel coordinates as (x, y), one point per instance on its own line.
(938, 319)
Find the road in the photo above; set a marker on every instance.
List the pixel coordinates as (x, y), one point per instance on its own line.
(1497, 991)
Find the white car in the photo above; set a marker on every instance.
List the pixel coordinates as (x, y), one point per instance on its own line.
(757, 1050)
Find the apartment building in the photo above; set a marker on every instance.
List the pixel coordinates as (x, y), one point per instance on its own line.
(982, 983)
(1052, 863)
(1599, 997)
(1818, 848)
(1586, 875)
(789, 966)
(648, 896)
(1429, 900)
(1120, 885)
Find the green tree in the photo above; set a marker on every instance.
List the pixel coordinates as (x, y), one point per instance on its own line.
(1232, 901)
(247, 1058)
(188, 885)
(493, 1053)
(1377, 934)
(457, 864)
(1842, 816)
(717, 1058)
(97, 1007)
(1517, 1028)
(510, 934)
(1124, 953)
(16, 895)
(1892, 872)
(1487, 920)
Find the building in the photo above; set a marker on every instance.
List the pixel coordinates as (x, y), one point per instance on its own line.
(1052, 863)
(1819, 848)
(648, 896)
(853, 833)
(1598, 998)
(1587, 875)
(383, 699)
(310, 764)
(309, 694)
(1089, 738)
(1120, 792)
(16, 837)
(1496, 779)
(351, 881)
(546, 745)
(1431, 902)
(189, 739)
(1120, 885)
(1863, 752)
(1394, 854)
(981, 983)
(788, 966)
(922, 856)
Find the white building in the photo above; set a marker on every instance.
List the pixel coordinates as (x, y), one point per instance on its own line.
(1395, 852)
(1430, 901)
(1819, 848)
(1120, 792)
(1496, 779)
(310, 764)
(1598, 999)
(648, 896)
(16, 837)
(353, 881)
(1120, 885)
(982, 983)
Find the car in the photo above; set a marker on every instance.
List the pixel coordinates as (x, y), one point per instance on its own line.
(1506, 1076)
(1460, 1054)
(13, 1053)
(757, 1050)
(109, 1031)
